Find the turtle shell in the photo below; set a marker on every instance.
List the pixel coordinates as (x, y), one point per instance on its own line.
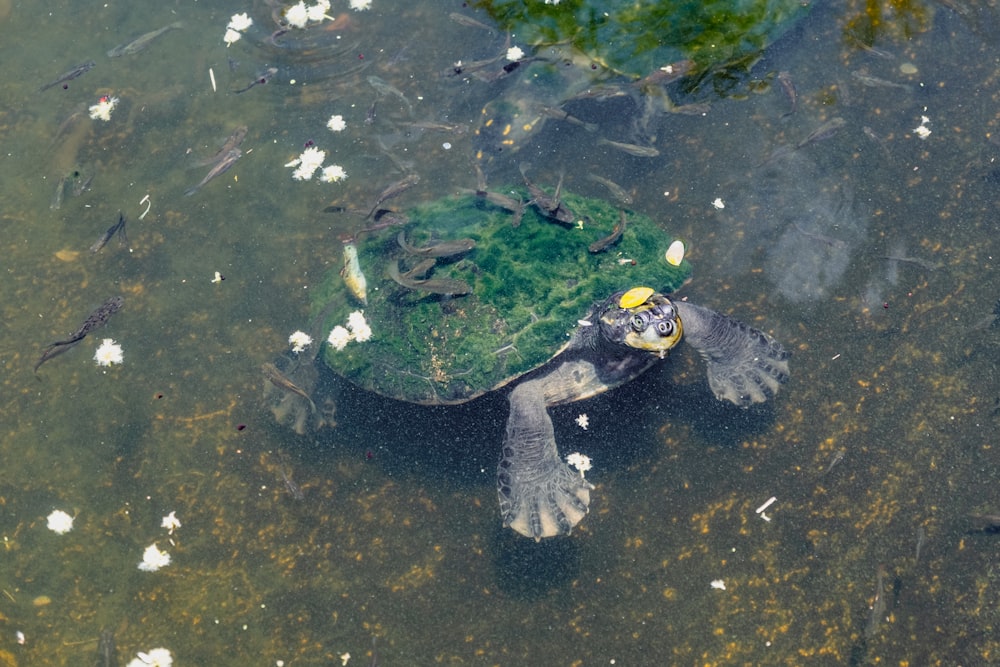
(636, 38)
(528, 286)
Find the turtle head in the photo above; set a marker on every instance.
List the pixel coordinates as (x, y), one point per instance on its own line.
(643, 319)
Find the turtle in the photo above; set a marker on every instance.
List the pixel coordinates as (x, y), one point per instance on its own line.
(606, 49)
(549, 296)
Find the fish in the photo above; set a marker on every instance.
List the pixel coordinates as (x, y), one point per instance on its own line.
(394, 190)
(436, 126)
(142, 42)
(260, 79)
(548, 204)
(281, 381)
(878, 604)
(921, 541)
(631, 149)
(79, 70)
(617, 191)
(824, 131)
(57, 198)
(469, 22)
(870, 133)
(437, 249)
(96, 319)
(875, 82)
(352, 274)
(221, 167)
(107, 653)
(785, 79)
(385, 89)
(603, 244)
(421, 269)
(559, 114)
(117, 228)
(916, 261)
(235, 140)
(432, 285)
(515, 206)
(294, 489)
(666, 74)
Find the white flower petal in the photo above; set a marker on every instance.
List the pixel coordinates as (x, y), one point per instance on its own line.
(60, 522)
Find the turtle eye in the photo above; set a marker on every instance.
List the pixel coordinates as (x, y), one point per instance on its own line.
(640, 321)
(665, 327)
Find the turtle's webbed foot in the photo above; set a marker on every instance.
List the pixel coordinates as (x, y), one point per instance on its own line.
(752, 371)
(745, 365)
(548, 503)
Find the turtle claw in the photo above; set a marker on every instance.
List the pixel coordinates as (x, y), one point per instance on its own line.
(546, 505)
(745, 365)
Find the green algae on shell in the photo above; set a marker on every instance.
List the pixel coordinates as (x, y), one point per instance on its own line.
(530, 285)
(637, 38)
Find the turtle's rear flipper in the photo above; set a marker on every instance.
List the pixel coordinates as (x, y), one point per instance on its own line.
(540, 496)
(745, 365)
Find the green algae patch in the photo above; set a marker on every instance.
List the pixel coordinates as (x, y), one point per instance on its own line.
(636, 38)
(529, 284)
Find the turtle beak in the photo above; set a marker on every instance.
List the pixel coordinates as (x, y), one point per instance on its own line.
(653, 325)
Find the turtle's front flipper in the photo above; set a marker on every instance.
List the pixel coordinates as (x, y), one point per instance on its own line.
(744, 365)
(540, 496)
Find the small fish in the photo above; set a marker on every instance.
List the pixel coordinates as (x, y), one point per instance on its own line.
(916, 261)
(107, 653)
(699, 109)
(785, 79)
(435, 126)
(394, 190)
(352, 274)
(870, 133)
(822, 238)
(140, 43)
(599, 93)
(432, 285)
(631, 149)
(878, 604)
(469, 22)
(875, 82)
(548, 204)
(608, 241)
(221, 167)
(117, 228)
(439, 249)
(281, 381)
(515, 206)
(262, 78)
(666, 74)
(70, 75)
(385, 89)
(235, 140)
(921, 541)
(837, 458)
(989, 521)
(293, 489)
(57, 198)
(558, 114)
(421, 269)
(96, 319)
(617, 191)
(824, 131)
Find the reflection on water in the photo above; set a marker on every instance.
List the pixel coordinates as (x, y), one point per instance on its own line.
(803, 225)
(396, 537)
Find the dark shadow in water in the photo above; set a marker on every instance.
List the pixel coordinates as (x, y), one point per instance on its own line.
(449, 444)
(529, 570)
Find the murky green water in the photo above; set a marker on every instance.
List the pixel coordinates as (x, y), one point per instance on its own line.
(884, 437)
